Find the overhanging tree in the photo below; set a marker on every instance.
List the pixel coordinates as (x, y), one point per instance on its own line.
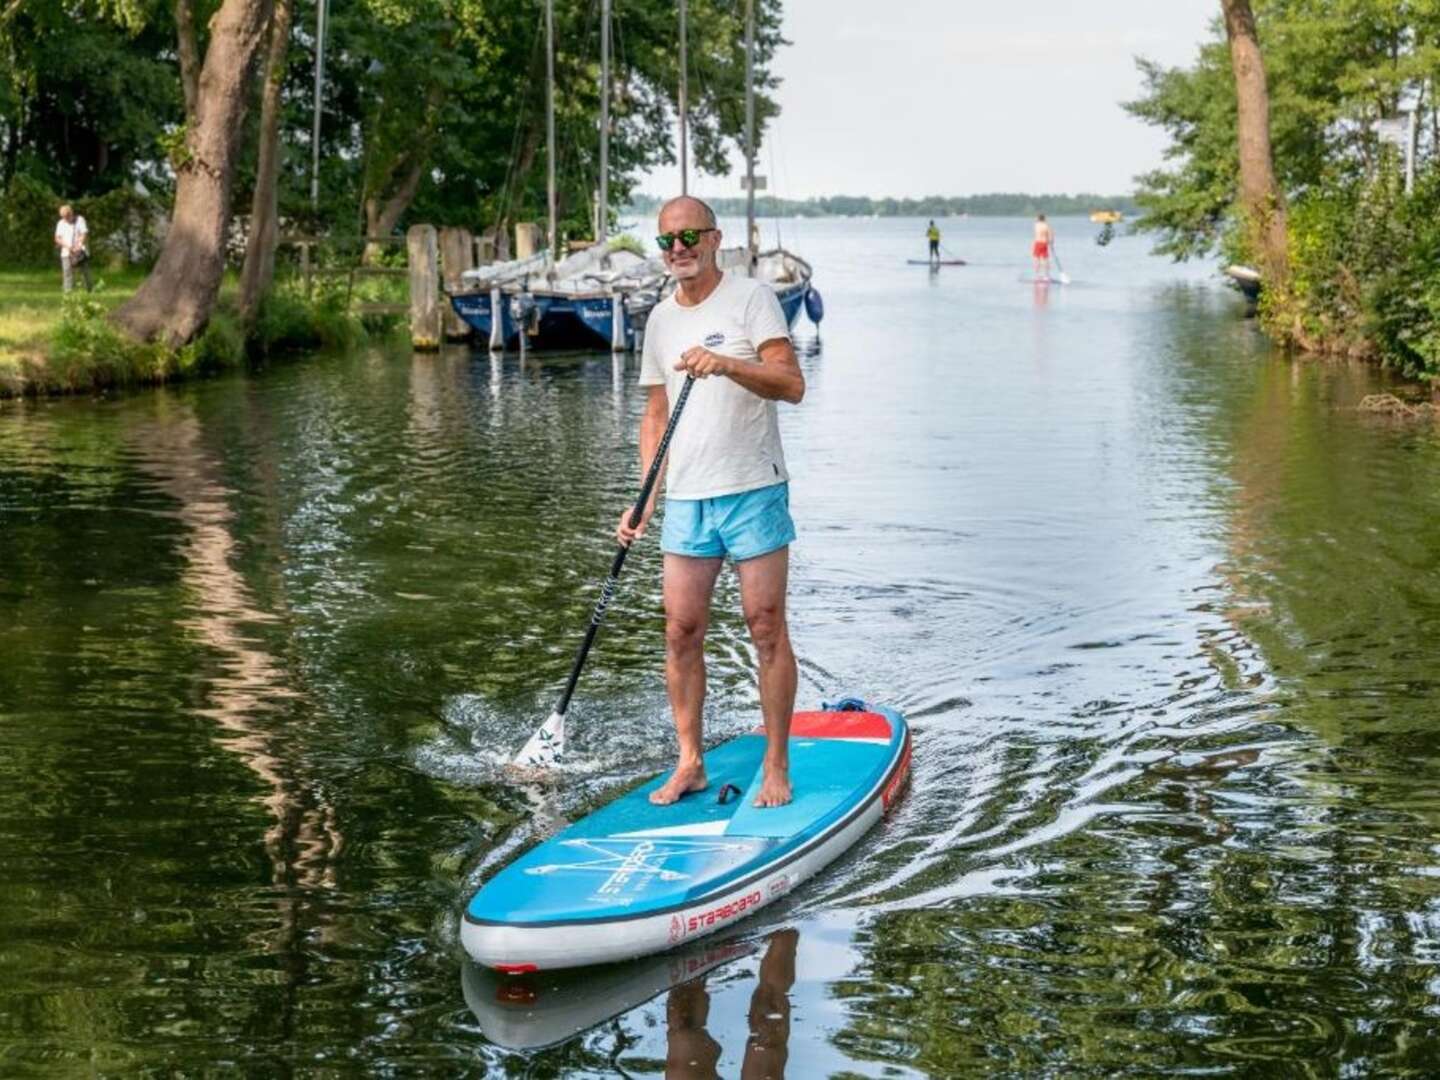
(174, 302)
(1262, 204)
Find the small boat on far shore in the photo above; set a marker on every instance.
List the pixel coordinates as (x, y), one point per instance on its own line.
(1106, 217)
(1246, 279)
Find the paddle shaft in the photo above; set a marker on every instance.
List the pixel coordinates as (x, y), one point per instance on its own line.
(607, 591)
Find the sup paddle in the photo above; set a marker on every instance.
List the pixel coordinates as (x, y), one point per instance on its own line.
(548, 744)
(1055, 254)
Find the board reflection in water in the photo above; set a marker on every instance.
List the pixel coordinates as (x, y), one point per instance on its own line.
(543, 1010)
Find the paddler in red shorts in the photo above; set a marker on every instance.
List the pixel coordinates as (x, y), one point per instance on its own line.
(1040, 249)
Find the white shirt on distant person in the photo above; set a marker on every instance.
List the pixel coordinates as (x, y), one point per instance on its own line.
(71, 235)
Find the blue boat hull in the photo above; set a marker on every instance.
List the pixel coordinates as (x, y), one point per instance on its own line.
(560, 322)
(565, 322)
(792, 300)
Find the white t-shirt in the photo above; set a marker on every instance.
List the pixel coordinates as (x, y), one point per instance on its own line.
(728, 439)
(70, 234)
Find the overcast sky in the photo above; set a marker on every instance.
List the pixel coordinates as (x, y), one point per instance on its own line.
(958, 97)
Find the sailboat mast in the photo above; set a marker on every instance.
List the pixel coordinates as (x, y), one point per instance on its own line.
(551, 236)
(603, 213)
(750, 136)
(684, 114)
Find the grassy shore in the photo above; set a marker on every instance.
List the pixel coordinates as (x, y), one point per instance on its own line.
(30, 309)
(51, 344)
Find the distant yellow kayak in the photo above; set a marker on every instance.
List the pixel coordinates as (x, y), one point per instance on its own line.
(1106, 217)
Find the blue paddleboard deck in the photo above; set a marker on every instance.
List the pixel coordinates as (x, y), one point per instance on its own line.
(634, 878)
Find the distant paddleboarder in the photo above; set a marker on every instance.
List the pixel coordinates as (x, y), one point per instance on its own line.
(933, 235)
(727, 489)
(1040, 248)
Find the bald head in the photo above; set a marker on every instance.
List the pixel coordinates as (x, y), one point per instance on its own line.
(686, 212)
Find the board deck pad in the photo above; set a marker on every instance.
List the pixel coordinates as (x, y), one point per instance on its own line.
(631, 859)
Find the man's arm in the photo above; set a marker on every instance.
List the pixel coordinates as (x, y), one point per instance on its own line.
(652, 430)
(777, 377)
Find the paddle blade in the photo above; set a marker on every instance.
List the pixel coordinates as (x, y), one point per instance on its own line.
(1064, 278)
(546, 746)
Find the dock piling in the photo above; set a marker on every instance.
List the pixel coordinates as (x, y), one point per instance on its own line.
(457, 254)
(421, 246)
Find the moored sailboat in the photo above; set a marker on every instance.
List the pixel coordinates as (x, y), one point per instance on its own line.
(590, 299)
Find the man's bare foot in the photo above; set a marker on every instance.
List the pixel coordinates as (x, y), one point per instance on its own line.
(774, 786)
(684, 780)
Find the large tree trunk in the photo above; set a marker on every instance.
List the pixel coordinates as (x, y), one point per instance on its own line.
(259, 269)
(174, 303)
(1261, 202)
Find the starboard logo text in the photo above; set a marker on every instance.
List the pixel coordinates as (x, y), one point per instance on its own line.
(714, 340)
(707, 919)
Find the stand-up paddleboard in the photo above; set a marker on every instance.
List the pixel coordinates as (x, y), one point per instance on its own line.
(532, 1012)
(1044, 281)
(633, 878)
(936, 262)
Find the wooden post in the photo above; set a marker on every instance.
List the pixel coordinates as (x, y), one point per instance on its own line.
(457, 254)
(528, 239)
(421, 245)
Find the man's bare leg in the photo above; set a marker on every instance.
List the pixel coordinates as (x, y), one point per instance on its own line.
(689, 584)
(763, 582)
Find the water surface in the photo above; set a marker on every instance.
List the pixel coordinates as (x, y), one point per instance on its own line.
(1161, 606)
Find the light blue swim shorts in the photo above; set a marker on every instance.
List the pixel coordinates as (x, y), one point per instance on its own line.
(743, 526)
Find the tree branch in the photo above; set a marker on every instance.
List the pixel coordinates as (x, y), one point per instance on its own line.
(10, 10)
(189, 53)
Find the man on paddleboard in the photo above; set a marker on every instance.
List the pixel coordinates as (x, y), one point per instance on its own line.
(933, 235)
(727, 489)
(1040, 249)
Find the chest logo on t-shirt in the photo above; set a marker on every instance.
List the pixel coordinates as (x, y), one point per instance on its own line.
(714, 339)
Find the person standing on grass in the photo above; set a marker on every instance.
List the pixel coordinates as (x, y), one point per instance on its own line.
(727, 489)
(72, 237)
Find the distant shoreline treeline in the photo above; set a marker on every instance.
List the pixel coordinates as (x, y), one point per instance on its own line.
(996, 204)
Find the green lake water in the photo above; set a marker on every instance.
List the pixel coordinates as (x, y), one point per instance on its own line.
(1162, 607)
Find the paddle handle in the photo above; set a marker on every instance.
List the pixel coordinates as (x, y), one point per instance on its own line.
(607, 590)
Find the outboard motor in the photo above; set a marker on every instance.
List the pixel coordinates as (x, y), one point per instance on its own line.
(522, 306)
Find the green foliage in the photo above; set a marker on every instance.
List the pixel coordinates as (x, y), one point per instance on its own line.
(87, 351)
(1189, 204)
(86, 91)
(1365, 279)
(27, 223)
(626, 242)
(220, 346)
(124, 225)
(335, 327)
(283, 323)
(1403, 293)
(288, 321)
